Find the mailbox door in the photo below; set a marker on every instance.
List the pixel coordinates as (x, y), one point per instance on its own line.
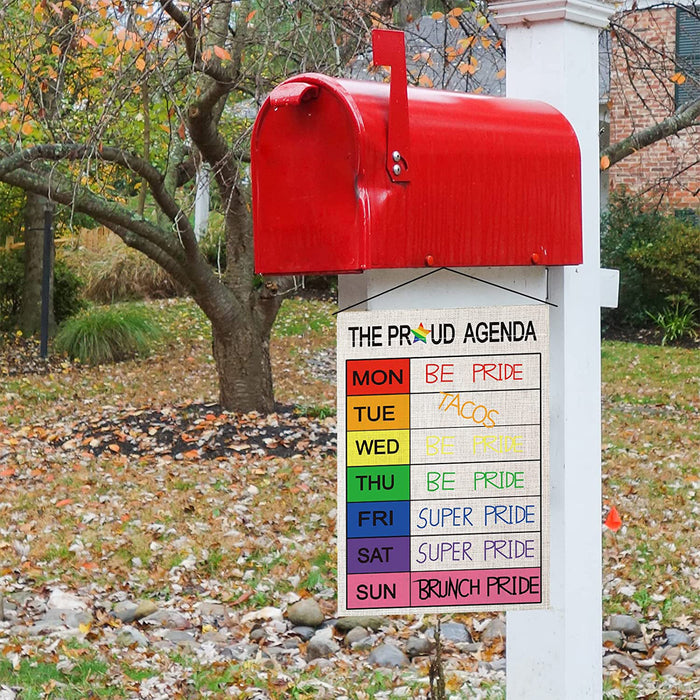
(306, 153)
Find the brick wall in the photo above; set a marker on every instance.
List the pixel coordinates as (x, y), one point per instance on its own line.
(641, 93)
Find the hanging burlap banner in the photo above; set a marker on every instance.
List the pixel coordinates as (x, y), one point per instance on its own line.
(443, 491)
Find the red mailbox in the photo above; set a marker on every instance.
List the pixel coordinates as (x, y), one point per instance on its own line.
(352, 175)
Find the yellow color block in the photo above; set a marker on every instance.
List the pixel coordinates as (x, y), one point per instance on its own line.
(378, 447)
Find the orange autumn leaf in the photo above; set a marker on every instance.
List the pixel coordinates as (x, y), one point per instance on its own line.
(64, 502)
(437, 15)
(467, 42)
(425, 81)
(678, 78)
(140, 63)
(501, 74)
(604, 163)
(221, 53)
(454, 22)
(7, 472)
(251, 15)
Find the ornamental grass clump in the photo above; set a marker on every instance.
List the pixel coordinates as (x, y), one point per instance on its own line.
(115, 273)
(107, 334)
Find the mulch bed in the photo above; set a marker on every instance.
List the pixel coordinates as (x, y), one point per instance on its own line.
(201, 430)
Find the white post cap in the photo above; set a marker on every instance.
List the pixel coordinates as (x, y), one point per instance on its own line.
(595, 14)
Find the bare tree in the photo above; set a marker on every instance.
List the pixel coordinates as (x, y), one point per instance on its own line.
(655, 98)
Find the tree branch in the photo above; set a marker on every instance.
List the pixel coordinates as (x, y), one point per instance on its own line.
(109, 214)
(211, 67)
(185, 24)
(152, 251)
(685, 117)
(194, 273)
(72, 152)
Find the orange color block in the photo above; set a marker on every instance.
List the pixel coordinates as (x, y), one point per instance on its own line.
(379, 412)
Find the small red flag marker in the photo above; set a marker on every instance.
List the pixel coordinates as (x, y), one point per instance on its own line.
(613, 521)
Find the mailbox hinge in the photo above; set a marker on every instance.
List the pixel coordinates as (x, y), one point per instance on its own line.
(389, 49)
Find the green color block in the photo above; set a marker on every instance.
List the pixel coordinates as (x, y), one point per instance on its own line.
(379, 483)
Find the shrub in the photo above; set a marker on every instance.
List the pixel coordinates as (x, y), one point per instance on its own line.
(658, 257)
(67, 288)
(11, 276)
(672, 260)
(107, 334)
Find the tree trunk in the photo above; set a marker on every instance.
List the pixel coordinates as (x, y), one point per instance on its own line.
(242, 355)
(30, 316)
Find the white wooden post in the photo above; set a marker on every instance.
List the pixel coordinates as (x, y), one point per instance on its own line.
(552, 55)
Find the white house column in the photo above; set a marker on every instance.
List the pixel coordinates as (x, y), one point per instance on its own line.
(552, 55)
(201, 200)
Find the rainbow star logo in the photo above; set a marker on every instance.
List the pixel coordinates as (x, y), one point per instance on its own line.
(420, 333)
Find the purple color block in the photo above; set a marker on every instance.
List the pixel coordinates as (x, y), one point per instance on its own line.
(375, 555)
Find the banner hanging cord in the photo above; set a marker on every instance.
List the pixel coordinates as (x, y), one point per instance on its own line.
(391, 289)
(456, 272)
(507, 289)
